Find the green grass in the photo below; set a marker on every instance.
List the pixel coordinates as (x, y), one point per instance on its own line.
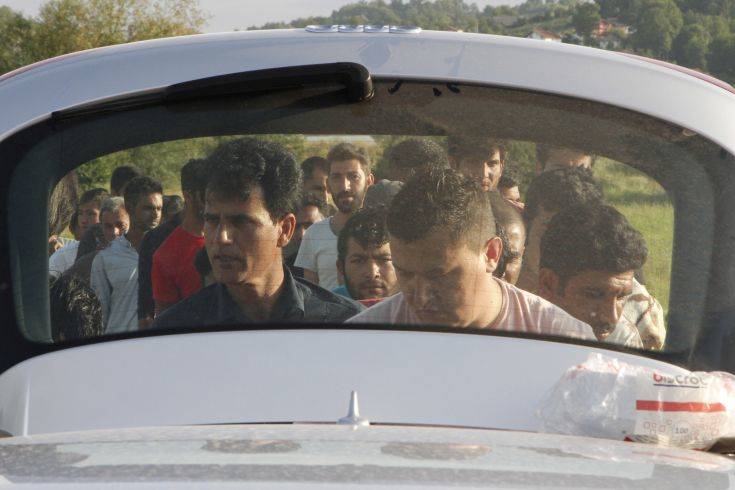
(649, 209)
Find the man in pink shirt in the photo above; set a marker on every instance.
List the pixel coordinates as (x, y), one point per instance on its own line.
(444, 249)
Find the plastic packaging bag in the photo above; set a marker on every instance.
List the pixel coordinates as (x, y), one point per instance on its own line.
(607, 398)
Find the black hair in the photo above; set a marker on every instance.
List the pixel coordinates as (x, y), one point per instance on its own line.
(558, 189)
(509, 178)
(312, 163)
(442, 200)
(348, 151)
(459, 146)
(121, 176)
(240, 164)
(415, 153)
(202, 263)
(367, 227)
(172, 205)
(592, 237)
(92, 239)
(506, 215)
(318, 203)
(137, 188)
(75, 310)
(61, 203)
(543, 153)
(194, 176)
(96, 196)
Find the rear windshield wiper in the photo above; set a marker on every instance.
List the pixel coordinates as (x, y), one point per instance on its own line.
(354, 77)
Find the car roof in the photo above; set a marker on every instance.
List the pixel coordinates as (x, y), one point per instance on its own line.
(31, 94)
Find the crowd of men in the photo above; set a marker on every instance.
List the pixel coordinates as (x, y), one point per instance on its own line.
(445, 240)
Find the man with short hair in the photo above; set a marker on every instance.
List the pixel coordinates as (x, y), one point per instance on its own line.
(554, 157)
(349, 178)
(247, 222)
(114, 276)
(549, 193)
(481, 158)
(309, 211)
(88, 214)
(120, 178)
(508, 186)
(512, 232)
(412, 155)
(364, 259)
(444, 249)
(316, 172)
(75, 311)
(589, 255)
(173, 275)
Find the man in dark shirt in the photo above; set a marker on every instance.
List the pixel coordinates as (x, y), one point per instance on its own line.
(248, 221)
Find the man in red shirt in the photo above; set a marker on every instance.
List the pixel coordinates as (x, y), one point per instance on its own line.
(173, 275)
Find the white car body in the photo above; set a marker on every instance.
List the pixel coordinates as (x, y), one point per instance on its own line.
(307, 375)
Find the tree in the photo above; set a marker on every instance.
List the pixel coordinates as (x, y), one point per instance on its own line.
(15, 34)
(721, 56)
(691, 46)
(64, 26)
(658, 22)
(586, 19)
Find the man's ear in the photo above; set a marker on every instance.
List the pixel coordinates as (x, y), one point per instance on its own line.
(548, 284)
(493, 252)
(370, 179)
(287, 228)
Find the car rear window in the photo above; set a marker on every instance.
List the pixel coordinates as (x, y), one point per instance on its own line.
(450, 206)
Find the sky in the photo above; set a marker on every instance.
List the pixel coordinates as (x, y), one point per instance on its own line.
(229, 14)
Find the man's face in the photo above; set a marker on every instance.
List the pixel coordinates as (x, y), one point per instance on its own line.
(369, 272)
(147, 213)
(305, 217)
(566, 158)
(114, 224)
(241, 239)
(89, 214)
(594, 297)
(511, 193)
(348, 184)
(487, 170)
(516, 234)
(316, 185)
(439, 279)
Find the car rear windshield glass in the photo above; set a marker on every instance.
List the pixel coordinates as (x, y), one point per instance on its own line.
(432, 205)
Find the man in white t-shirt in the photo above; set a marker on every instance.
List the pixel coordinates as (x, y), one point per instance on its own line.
(349, 179)
(444, 249)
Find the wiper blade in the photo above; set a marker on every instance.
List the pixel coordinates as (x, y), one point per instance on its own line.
(354, 77)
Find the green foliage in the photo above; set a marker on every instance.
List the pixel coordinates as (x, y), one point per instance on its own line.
(691, 46)
(657, 24)
(721, 59)
(15, 35)
(586, 19)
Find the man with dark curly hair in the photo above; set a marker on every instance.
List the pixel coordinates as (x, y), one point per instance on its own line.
(248, 220)
(364, 259)
(478, 157)
(75, 310)
(589, 255)
(549, 193)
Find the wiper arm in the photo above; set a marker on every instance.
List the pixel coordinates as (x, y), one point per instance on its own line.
(353, 76)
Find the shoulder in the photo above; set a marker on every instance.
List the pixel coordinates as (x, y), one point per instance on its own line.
(190, 312)
(322, 302)
(386, 311)
(319, 228)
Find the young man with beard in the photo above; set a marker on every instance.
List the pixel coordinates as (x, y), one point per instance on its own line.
(309, 211)
(114, 275)
(173, 275)
(444, 249)
(349, 178)
(512, 232)
(589, 256)
(364, 258)
(478, 157)
(248, 220)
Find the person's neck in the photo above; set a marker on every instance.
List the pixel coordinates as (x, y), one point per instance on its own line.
(257, 300)
(491, 303)
(338, 221)
(135, 237)
(192, 223)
